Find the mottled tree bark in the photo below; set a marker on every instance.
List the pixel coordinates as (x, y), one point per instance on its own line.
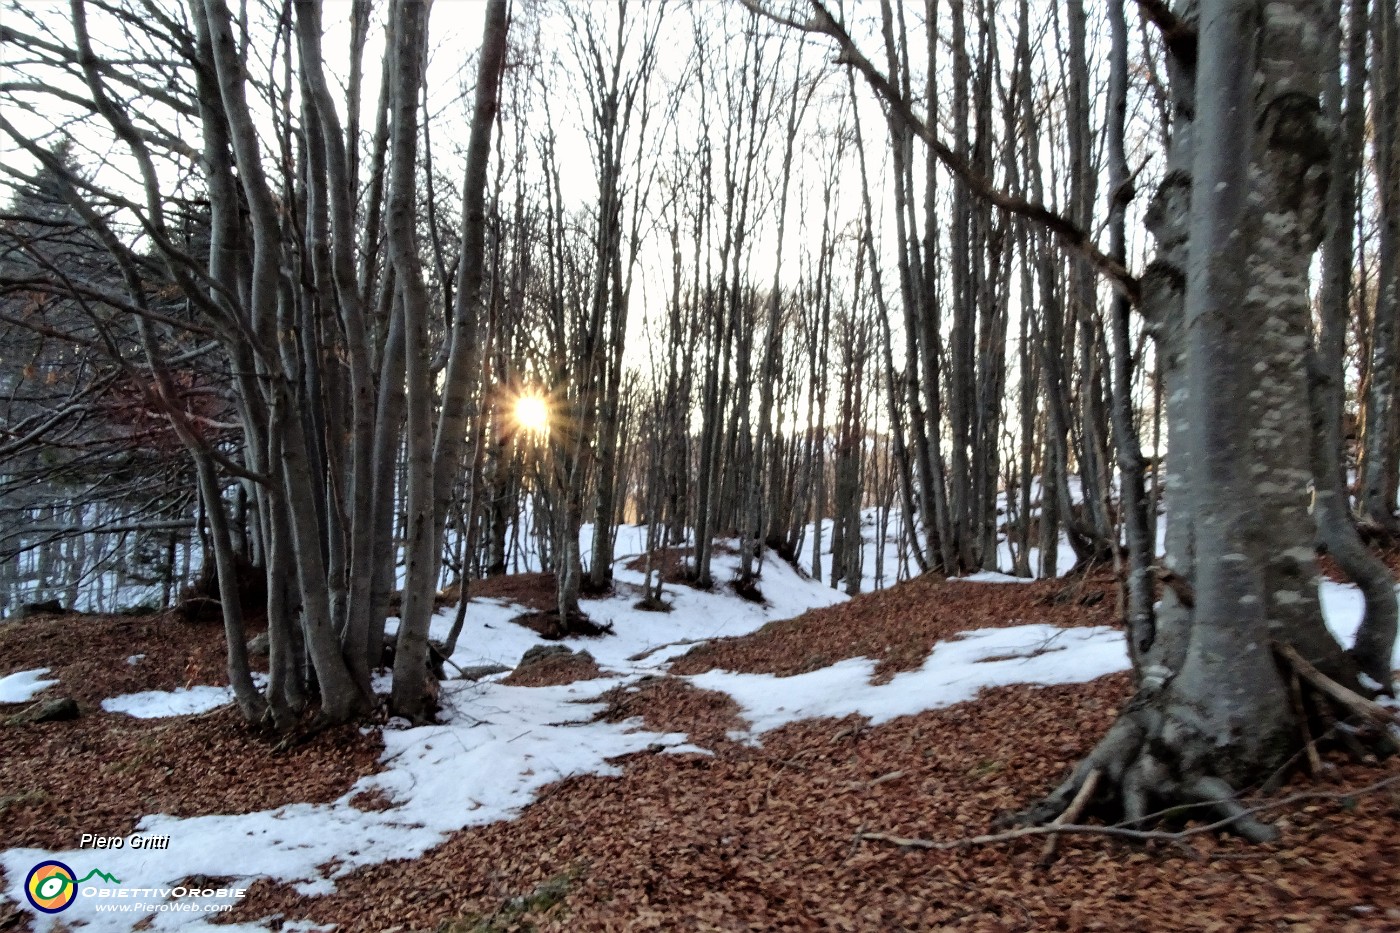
(1212, 712)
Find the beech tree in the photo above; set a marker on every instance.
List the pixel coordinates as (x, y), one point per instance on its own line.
(1237, 219)
(1244, 194)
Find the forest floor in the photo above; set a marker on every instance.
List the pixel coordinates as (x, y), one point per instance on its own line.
(741, 833)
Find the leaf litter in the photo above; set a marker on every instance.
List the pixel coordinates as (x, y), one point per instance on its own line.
(765, 836)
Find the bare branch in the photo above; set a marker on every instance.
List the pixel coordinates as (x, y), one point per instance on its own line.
(1349, 699)
(1178, 35)
(1070, 236)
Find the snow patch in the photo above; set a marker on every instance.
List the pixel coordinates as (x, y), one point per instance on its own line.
(1342, 608)
(21, 686)
(955, 671)
(993, 576)
(182, 701)
(155, 704)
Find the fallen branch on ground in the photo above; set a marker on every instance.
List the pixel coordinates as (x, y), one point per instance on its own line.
(643, 655)
(1349, 699)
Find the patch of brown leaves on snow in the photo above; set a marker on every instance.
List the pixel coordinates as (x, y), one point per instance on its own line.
(554, 672)
(899, 626)
(670, 704)
(535, 591)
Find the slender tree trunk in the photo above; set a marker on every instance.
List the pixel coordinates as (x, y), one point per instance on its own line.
(1378, 467)
(1336, 531)
(1132, 492)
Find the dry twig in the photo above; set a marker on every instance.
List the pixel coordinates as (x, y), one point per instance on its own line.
(1073, 812)
(1346, 697)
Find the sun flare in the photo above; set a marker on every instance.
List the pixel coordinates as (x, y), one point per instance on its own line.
(532, 414)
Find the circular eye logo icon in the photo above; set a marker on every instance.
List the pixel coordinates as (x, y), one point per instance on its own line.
(51, 886)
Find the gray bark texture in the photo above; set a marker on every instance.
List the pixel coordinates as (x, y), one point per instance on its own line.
(434, 462)
(1212, 712)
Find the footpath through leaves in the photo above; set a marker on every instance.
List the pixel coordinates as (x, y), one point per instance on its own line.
(753, 828)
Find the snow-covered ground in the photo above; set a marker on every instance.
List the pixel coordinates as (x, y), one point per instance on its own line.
(953, 672)
(498, 745)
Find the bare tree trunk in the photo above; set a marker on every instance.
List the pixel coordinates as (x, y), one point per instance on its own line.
(434, 463)
(1336, 531)
(1216, 714)
(1132, 493)
(341, 696)
(412, 693)
(1380, 414)
(334, 174)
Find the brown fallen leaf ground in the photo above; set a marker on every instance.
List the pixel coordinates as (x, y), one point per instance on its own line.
(555, 671)
(104, 771)
(766, 838)
(95, 656)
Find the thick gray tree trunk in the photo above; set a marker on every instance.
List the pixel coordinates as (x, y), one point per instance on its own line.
(1213, 712)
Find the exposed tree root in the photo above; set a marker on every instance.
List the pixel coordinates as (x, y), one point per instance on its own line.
(1160, 756)
(1148, 757)
(587, 587)
(1123, 831)
(780, 546)
(747, 589)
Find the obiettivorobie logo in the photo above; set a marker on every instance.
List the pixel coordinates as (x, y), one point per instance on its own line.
(52, 886)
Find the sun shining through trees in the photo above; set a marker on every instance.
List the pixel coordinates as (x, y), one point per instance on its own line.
(532, 414)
